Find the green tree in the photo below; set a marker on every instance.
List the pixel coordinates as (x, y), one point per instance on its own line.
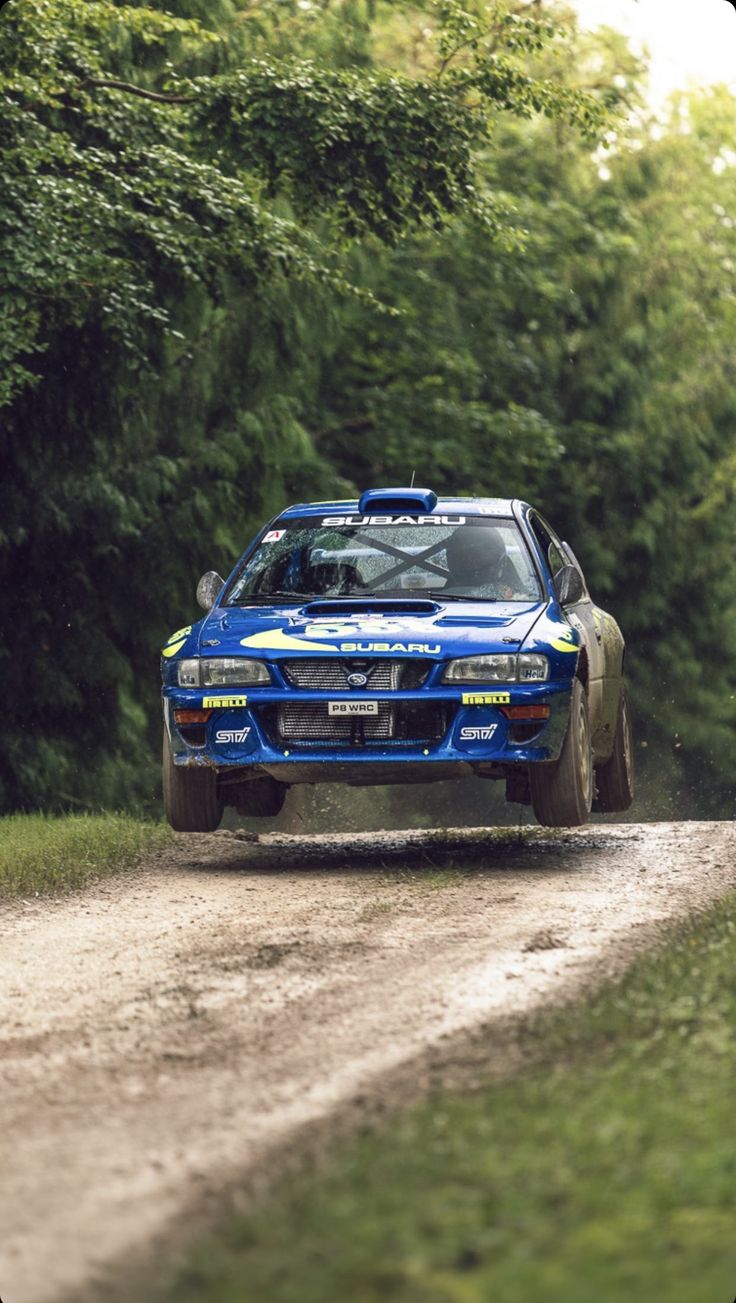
(168, 250)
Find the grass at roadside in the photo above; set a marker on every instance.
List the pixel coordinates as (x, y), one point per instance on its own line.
(41, 853)
(606, 1170)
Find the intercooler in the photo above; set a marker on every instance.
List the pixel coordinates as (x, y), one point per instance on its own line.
(309, 721)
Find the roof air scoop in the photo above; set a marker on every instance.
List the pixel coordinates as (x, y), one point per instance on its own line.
(397, 500)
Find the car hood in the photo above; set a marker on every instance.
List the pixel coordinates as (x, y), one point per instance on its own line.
(411, 628)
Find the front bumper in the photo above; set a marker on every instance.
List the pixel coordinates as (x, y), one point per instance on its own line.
(240, 734)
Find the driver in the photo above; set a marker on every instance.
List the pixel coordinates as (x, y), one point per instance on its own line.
(478, 564)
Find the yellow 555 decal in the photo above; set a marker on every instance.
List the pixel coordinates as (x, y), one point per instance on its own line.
(176, 641)
(565, 643)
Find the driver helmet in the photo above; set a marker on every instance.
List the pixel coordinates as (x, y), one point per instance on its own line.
(474, 554)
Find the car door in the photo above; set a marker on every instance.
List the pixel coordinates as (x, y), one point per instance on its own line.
(585, 617)
(611, 642)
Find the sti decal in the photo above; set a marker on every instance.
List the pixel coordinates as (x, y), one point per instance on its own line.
(231, 734)
(215, 703)
(478, 734)
(486, 698)
(176, 641)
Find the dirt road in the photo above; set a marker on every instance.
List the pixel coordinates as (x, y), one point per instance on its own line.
(174, 1029)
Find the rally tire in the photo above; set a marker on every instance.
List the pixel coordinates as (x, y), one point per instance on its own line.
(191, 799)
(562, 790)
(615, 779)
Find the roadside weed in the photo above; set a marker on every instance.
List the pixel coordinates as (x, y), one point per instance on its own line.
(41, 853)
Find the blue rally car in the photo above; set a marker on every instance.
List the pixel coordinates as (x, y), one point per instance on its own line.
(401, 638)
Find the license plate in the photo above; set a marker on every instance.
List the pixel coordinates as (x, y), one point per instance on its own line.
(352, 707)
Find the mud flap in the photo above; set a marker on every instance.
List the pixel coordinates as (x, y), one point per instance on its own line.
(517, 786)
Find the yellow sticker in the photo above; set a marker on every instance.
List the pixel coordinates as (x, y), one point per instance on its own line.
(172, 648)
(486, 698)
(565, 642)
(212, 703)
(277, 640)
(180, 634)
(176, 641)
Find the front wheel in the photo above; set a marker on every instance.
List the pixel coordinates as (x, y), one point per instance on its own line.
(191, 800)
(615, 779)
(562, 790)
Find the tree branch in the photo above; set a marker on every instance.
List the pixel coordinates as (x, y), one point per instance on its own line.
(112, 84)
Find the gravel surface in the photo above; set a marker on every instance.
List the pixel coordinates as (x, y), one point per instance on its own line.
(197, 1023)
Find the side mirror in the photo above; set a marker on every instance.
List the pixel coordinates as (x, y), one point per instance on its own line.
(208, 589)
(569, 586)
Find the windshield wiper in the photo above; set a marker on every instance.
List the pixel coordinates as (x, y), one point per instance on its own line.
(440, 595)
(414, 594)
(388, 594)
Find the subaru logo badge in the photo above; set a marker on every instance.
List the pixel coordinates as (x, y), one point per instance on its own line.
(357, 680)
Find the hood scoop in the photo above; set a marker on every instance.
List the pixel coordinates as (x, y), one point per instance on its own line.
(362, 605)
(476, 621)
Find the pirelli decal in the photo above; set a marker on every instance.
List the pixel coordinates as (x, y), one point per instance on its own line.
(486, 698)
(216, 703)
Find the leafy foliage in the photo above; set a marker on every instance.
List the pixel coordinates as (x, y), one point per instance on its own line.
(202, 208)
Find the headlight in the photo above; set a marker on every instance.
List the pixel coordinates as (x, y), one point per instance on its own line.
(481, 669)
(527, 667)
(188, 674)
(222, 672)
(533, 668)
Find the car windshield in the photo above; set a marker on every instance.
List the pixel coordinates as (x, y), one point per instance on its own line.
(480, 558)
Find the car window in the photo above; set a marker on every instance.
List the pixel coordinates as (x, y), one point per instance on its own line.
(549, 543)
(573, 561)
(464, 556)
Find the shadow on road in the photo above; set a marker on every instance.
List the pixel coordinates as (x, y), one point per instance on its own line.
(450, 853)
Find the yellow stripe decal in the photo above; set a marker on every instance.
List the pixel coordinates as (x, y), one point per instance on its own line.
(173, 648)
(179, 635)
(565, 643)
(277, 640)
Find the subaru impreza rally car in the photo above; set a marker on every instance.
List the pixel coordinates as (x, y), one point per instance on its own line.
(400, 638)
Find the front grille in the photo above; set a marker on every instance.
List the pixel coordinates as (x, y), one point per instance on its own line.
(307, 723)
(323, 675)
